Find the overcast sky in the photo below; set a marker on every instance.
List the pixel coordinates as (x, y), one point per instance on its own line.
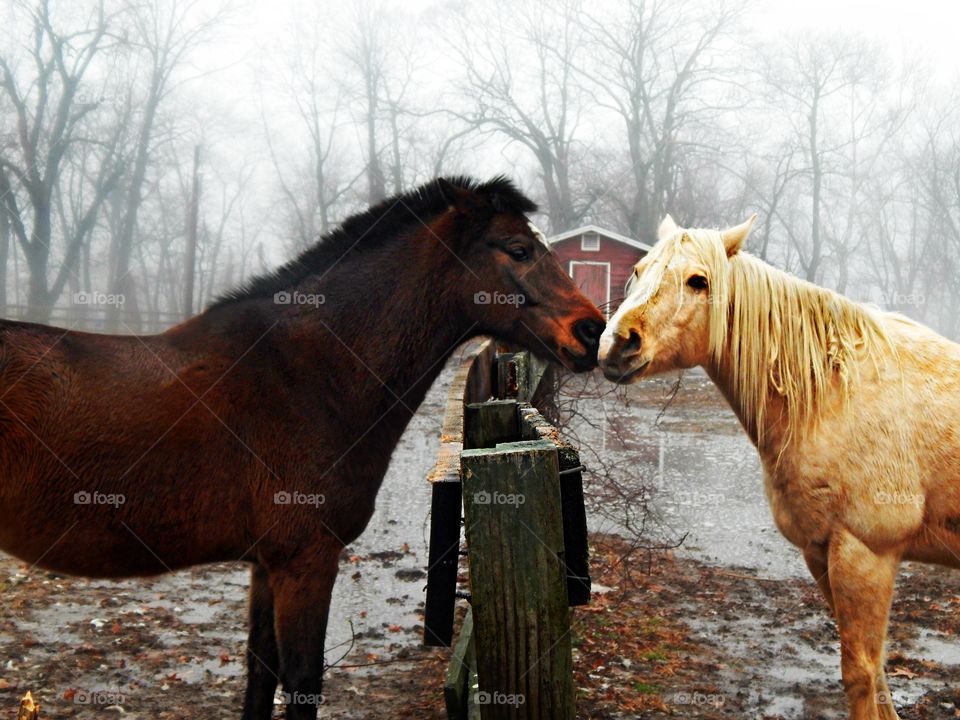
(928, 27)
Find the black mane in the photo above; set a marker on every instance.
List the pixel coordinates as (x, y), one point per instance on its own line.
(380, 223)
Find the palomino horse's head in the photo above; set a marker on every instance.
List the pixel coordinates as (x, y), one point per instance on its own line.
(670, 317)
(511, 284)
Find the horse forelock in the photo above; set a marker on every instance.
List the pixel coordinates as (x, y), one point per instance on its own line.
(538, 234)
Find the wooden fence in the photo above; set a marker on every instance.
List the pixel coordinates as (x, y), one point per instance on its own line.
(521, 491)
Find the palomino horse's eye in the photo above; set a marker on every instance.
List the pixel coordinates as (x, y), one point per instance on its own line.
(697, 282)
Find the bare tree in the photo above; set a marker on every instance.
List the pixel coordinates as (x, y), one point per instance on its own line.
(519, 82)
(656, 67)
(163, 34)
(44, 90)
(831, 89)
(312, 183)
(366, 51)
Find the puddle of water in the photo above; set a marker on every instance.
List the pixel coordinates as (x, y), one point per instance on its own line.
(704, 475)
(931, 645)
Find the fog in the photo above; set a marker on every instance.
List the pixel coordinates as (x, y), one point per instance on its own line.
(838, 122)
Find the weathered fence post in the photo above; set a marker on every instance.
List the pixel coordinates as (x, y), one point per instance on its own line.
(525, 530)
(512, 510)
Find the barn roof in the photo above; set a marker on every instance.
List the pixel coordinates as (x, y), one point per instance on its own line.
(602, 232)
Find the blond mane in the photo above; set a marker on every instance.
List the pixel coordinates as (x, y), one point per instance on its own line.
(779, 333)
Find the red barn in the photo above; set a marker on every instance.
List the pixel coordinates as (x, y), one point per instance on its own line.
(599, 261)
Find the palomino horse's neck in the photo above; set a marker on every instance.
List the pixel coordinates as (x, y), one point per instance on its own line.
(790, 350)
(774, 432)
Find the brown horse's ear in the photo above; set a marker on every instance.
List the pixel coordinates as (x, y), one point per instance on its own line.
(451, 193)
(668, 228)
(733, 238)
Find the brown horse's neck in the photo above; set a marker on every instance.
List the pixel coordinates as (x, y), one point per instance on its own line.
(400, 328)
(367, 338)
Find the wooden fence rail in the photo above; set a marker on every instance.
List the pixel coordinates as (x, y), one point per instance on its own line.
(525, 529)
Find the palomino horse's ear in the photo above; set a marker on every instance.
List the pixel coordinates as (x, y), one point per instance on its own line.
(733, 238)
(668, 228)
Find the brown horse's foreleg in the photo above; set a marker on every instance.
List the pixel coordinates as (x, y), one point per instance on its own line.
(301, 597)
(861, 583)
(263, 663)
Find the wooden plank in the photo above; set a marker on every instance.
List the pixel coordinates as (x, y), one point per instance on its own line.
(447, 466)
(576, 557)
(473, 686)
(480, 383)
(456, 685)
(489, 423)
(444, 559)
(537, 373)
(518, 583)
(513, 375)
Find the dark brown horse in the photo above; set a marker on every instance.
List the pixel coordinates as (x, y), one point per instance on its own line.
(261, 429)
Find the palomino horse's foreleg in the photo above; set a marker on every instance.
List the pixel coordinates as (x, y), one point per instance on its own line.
(301, 597)
(816, 557)
(861, 583)
(263, 660)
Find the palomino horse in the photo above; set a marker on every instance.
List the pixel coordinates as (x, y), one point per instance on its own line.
(297, 386)
(852, 410)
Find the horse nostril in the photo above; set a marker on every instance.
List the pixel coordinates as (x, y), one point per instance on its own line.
(632, 345)
(588, 332)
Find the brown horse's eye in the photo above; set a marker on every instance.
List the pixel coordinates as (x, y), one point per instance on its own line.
(518, 252)
(697, 282)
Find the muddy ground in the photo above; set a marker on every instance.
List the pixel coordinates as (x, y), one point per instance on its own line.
(663, 637)
(725, 626)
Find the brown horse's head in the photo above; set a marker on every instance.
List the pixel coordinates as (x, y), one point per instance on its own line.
(510, 283)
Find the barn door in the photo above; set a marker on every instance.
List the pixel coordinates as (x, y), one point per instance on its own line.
(593, 279)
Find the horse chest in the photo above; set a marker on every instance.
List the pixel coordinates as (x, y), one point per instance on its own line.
(802, 506)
